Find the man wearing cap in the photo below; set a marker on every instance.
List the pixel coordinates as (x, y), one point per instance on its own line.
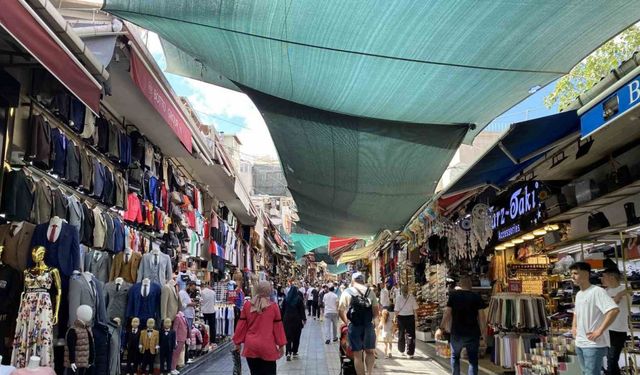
(361, 333)
(618, 329)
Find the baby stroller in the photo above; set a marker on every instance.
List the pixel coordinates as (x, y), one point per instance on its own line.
(346, 355)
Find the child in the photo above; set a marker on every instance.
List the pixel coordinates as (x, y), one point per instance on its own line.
(386, 332)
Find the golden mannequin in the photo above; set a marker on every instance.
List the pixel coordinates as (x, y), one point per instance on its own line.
(37, 254)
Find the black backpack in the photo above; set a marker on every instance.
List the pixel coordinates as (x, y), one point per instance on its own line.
(360, 311)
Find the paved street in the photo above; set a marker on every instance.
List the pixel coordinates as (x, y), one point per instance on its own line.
(319, 359)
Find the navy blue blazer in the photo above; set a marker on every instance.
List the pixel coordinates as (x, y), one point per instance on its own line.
(118, 236)
(59, 155)
(144, 307)
(167, 341)
(64, 254)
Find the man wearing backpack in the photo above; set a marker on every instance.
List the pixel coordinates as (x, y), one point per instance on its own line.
(358, 306)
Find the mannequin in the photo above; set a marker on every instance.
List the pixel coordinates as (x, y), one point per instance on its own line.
(181, 328)
(167, 346)
(149, 345)
(38, 280)
(10, 286)
(114, 346)
(79, 353)
(143, 300)
(133, 351)
(116, 298)
(34, 368)
(54, 229)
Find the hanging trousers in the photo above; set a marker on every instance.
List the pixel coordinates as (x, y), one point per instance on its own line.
(259, 366)
(407, 333)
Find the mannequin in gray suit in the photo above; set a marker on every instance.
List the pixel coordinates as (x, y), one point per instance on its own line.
(155, 266)
(99, 264)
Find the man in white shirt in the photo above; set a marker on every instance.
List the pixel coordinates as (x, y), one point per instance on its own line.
(594, 312)
(188, 306)
(309, 295)
(208, 302)
(618, 329)
(406, 307)
(330, 302)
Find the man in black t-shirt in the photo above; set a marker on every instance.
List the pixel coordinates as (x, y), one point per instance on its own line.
(462, 315)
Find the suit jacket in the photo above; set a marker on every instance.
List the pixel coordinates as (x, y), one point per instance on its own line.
(108, 235)
(81, 292)
(167, 341)
(132, 340)
(42, 203)
(160, 273)
(75, 214)
(181, 327)
(60, 206)
(98, 179)
(144, 307)
(40, 147)
(72, 165)
(88, 224)
(101, 267)
(116, 300)
(118, 235)
(99, 228)
(16, 247)
(59, 154)
(17, 196)
(169, 301)
(63, 254)
(128, 271)
(149, 342)
(86, 171)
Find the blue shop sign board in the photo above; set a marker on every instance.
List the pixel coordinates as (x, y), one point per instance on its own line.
(624, 99)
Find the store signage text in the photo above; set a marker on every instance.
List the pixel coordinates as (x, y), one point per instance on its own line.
(516, 210)
(625, 98)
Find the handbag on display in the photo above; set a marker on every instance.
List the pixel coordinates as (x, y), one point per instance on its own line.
(552, 238)
(597, 220)
(586, 191)
(630, 212)
(620, 175)
(555, 205)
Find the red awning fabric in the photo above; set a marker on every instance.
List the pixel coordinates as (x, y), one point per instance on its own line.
(19, 20)
(445, 204)
(159, 99)
(336, 242)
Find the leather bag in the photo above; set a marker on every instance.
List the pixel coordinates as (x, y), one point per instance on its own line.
(597, 221)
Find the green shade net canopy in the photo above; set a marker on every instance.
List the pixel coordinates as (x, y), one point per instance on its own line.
(375, 73)
(306, 243)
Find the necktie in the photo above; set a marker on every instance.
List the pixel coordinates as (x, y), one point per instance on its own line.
(146, 291)
(52, 235)
(126, 258)
(118, 287)
(156, 260)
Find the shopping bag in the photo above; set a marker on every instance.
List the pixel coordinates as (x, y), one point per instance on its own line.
(237, 363)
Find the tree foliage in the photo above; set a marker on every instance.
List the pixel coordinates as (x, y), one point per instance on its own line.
(591, 70)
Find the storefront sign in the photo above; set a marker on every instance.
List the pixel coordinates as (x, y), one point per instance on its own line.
(625, 98)
(515, 286)
(160, 101)
(516, 210)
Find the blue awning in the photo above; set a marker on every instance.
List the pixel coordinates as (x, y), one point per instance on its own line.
(519, 147)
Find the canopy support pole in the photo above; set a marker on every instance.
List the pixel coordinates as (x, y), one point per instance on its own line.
(508, 153)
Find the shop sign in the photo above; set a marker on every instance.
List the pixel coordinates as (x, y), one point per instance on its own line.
(516, 210)
(624, 99)
(515, 286)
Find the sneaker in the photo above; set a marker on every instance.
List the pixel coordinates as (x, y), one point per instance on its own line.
(411, 357)
(327, 342)
(335, 339)
(289, 358)
(295, 355)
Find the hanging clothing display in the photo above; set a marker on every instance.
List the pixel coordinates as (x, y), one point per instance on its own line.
(126, 265)
(63, 252)
(510, 311)
(116, 299)
(34, 324)
(86, 289)
(156, 267)
(16, 239)
(144, 306)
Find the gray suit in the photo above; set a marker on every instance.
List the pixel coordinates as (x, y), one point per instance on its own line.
(159, 272)
(81, 292)
(116, 300)
(169, 301)
(100, 268)
(76, 215)
(114, 348)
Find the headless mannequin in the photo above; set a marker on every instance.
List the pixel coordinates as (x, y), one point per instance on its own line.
(55, 227)
(149, 345)
(156, 256)
(119, 281)
(132, 345)
(16, 227)
(80, 354)
(146, 287)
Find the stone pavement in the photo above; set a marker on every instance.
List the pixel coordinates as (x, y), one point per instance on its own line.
(316, 358)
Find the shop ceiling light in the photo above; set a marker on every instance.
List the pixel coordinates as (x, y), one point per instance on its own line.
(552, 227)
(509, 244)
(517, 241)
(539, 232)
(500, 247)
(528, 236)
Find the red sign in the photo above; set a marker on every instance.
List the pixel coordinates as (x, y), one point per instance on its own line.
(16, 19)
(160, 101)
(515, 286)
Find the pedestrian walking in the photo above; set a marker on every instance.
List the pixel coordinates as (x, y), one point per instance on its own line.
(358, 306)
(386, 332)
(309, 297)
(315, 303)
(594, 312)
(461, 319)
(330, 302)
(261, 331)
(406, 316)
(618, 329)
(294, 319)
(323, 291)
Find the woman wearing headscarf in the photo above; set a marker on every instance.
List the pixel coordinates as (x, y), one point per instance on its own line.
(260, 330)
(294, 318)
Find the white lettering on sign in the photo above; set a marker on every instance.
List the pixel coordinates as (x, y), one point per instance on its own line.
(634, 91)
(521, 202)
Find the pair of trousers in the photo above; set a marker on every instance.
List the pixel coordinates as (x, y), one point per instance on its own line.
(330, 326)
(316, 309)
(133, 360)
(176, 354)
(147, 362)
(617, 340)
(590, 359)
(259, 366)
(210, 319)
(166, 357)
(309, 307)
(472, 343)
(293, 338)
(407, 334)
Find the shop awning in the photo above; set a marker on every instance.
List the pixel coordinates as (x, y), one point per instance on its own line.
(347, 86)
(358, 254)
(518, 148)
(337, 269)
(305, 243)
(19, 20)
